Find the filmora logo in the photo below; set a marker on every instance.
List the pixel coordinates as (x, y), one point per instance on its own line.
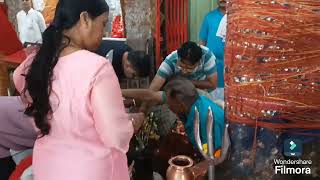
(290, 166)
(292, 148)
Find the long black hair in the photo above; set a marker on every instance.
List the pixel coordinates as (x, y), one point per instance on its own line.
(140, 62)
(40, 73)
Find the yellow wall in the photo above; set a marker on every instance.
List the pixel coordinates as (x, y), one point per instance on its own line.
(197, 11)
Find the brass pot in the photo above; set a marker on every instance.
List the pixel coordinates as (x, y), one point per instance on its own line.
(180, 168)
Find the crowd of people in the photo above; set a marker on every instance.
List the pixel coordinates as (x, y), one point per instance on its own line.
(70, 109)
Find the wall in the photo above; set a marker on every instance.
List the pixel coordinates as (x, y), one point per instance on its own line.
(138, 22)
(4, 79)
(13, 9)
(197, 12)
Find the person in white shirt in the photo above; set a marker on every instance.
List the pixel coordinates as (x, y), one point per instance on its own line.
(31, 24)
(222, 29)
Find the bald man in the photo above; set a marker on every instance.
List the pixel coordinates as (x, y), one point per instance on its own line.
(182, 97)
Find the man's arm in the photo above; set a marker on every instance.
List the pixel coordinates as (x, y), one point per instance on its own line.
(209, 83)
(157, 83)
(41, 22)
(155, 86)
(222, 29)
(19, 24)
(38, 5)
(165, 71)
(210, 70)
(143, 95)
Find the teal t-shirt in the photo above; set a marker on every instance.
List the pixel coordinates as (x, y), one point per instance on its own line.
(208, 33)
(202, 104)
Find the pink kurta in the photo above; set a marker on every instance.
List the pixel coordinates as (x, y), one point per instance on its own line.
(90, 131)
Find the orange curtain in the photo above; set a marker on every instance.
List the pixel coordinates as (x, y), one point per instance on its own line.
(49, 10)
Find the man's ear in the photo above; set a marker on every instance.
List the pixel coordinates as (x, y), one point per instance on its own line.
(179, 100)
(184, 107)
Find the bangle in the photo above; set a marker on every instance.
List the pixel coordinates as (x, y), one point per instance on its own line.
(132, 121)
(134, 102)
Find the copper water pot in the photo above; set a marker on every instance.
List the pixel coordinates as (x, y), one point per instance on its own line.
(180, 168)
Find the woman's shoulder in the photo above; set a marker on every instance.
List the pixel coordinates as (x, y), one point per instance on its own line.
(87, 58)
(87, 61)
(84, 64)
(89, 54)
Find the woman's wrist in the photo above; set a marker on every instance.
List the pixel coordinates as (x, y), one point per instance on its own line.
(134, 102)
(132, 120)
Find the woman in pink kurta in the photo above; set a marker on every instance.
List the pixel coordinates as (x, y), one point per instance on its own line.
(86, 132)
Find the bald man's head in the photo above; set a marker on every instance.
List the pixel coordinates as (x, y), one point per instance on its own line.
(181, 94)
